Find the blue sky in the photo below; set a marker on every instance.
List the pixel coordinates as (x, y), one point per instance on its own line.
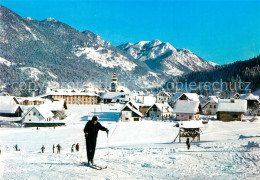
(221, 31)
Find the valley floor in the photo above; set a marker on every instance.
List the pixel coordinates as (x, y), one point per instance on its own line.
(134, 150)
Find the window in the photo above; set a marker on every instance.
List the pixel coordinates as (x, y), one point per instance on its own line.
(190, 117)
(210, 106)
(235, 116)
(34, 113)
(178, 115)
(181, 115)
(30, 120)
(215, 106)
(126, 118)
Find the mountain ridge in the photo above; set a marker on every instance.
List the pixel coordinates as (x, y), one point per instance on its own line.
(171, 61)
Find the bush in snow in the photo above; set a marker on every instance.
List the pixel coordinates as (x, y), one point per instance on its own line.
(252, 144)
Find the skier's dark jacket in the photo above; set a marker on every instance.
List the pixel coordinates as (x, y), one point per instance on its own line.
(92, 129)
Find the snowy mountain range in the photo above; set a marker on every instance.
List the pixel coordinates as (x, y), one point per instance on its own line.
(164, 58)
(52, 51)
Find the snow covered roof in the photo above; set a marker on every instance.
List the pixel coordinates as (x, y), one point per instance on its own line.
(238, 105)
(43, 110)
(186, 107)
(249, 96)
(163, 107)
(69, 94)
(8, 99)
(21, 99)
(115, 95)
(190, 96)
(132, 102)
(146, 100)
(8, 108)
(55, 105)
(191, 124)
(212, 99)
(175, 97)
(132, 109)
(123, 89)
(4, 94)
(164, 92)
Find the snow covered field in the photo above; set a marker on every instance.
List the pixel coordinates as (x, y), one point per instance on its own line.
(135, 150)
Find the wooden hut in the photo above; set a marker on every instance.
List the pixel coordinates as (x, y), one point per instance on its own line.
(231, 109)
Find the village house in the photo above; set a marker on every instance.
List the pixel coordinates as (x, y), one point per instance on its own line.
(163, 96)
(231, 109)
(252, 100)
(183, 96)
(186, 110)
(210, 106)
(38, 114)
(115, 97)
(72, 96)
(10, 110)
(9, 107)
(160, 111)
(30, 101)
(144, 103)
(130, 112)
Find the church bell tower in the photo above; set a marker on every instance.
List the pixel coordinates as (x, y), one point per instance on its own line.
(114, 84)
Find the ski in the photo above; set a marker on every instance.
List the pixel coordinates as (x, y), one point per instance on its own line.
(93, 166)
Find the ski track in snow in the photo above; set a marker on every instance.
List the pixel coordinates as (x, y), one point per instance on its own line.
(136, 150)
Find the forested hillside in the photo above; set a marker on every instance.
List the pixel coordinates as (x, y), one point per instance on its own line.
(244, 71)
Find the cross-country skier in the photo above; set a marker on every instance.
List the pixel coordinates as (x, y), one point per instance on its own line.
(53, 148)
(91, 131)
(58, 149)
(43, 148)
(188, 143)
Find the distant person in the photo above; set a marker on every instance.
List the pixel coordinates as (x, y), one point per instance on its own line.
(77, 147)
(53, 148)
(91, 132)
(72, 147)
(58, 149)
(16, 147)
(188, 143)
(43, 148)
(0, 151)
